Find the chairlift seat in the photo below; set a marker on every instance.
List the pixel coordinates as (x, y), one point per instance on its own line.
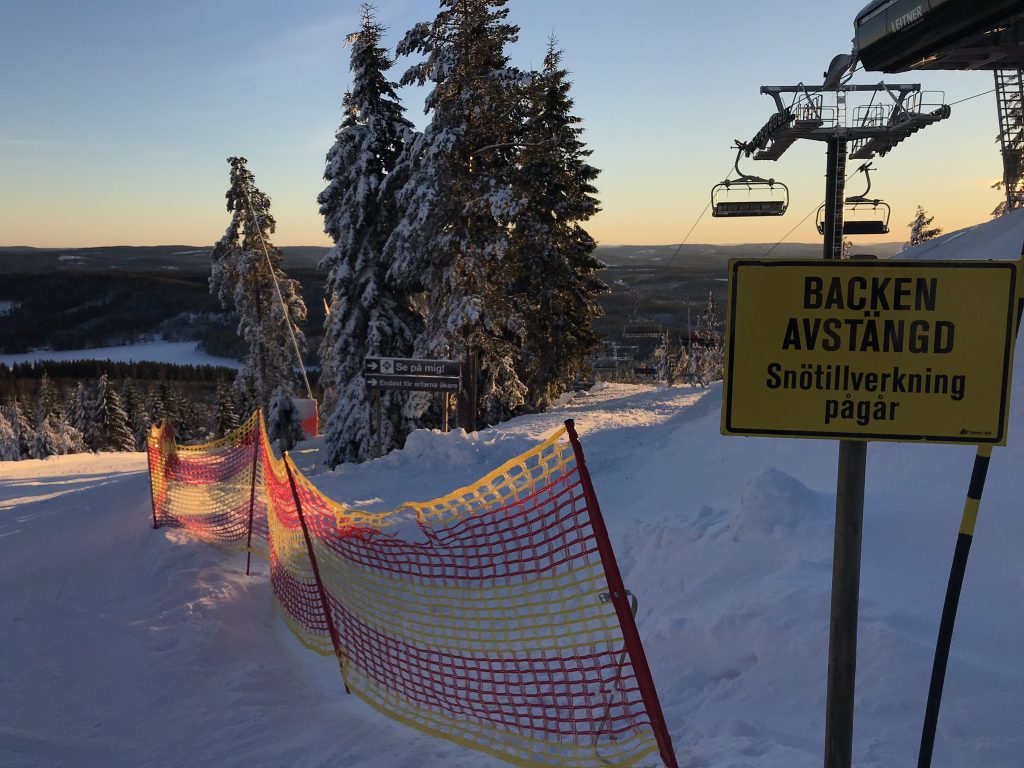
(728, 208)
(865, 227)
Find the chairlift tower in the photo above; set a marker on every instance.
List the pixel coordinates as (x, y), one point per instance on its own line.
(893, 113)
(1010, 104)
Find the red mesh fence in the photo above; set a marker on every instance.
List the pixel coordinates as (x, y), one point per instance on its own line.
(494, 616)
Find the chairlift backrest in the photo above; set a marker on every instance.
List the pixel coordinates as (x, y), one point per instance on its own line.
(862, 215)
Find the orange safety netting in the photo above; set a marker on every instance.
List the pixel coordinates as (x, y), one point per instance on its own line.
(494, 616)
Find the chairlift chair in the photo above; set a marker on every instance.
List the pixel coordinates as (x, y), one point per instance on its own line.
(640, 329)
(763, 197)
(862, 215)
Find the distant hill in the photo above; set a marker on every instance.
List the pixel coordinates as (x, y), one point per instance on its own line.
(126, 258)
(193, 258)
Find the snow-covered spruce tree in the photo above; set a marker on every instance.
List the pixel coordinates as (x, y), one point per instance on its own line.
(709, 355)
(552, 257)
(138, 418)
(9, 450)
(48, 399)
(284, 420)
(921, 229)
(83, 414)
(452, 241)
(662, 357)
(54, 436)
(159, 406)
(244, 266)
(112, 430)
(225, 417)
(22, 428)
(369, 314)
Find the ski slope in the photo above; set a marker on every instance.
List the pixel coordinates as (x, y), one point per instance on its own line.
(124, 646)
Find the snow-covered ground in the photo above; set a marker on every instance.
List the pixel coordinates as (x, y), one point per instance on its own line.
(173, 352)
(124, 646)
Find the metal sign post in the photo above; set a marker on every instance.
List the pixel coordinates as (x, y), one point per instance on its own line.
(842, 638)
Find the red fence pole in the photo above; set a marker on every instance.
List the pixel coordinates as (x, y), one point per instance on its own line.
(256, 442)
(335, 641)
(620, 599)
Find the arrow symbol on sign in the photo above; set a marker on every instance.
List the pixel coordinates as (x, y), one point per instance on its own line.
(371, 382)
(371, 365)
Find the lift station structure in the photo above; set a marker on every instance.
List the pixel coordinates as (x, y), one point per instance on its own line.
(908, 35)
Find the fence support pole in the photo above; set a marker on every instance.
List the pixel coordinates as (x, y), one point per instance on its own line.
(332, 630)
(256, 442)
(623, 610)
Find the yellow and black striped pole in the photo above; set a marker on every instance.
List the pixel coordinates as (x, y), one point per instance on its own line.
(956, 582)
(949, 607)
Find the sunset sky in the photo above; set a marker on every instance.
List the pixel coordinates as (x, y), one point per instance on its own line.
(118, 115)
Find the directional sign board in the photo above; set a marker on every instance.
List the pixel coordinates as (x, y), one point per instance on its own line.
(411, 367)
(412, 374)
(870, 350)
(416, 383)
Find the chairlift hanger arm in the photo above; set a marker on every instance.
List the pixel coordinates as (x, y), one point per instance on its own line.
(745, 178)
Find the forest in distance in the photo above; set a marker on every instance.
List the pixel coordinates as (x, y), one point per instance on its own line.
(79, 298)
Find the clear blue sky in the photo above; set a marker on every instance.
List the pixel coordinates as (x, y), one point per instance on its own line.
(118, 114)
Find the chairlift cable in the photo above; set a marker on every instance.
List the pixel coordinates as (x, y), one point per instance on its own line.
(681, 244)
(690, 232)
(280, 298)
(983, 93)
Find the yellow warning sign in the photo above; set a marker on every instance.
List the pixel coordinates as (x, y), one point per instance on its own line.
(870, 350)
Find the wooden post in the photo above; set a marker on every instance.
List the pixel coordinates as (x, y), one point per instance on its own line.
(468, 393)
(325, 604)
(378, 425)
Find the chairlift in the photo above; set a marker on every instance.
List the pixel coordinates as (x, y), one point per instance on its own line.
(641, 329)
(862, 215)
(748, 195)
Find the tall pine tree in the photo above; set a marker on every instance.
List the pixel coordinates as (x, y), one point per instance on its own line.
(244, 267)
(369, 314)
(457, 201)
(555, 271)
